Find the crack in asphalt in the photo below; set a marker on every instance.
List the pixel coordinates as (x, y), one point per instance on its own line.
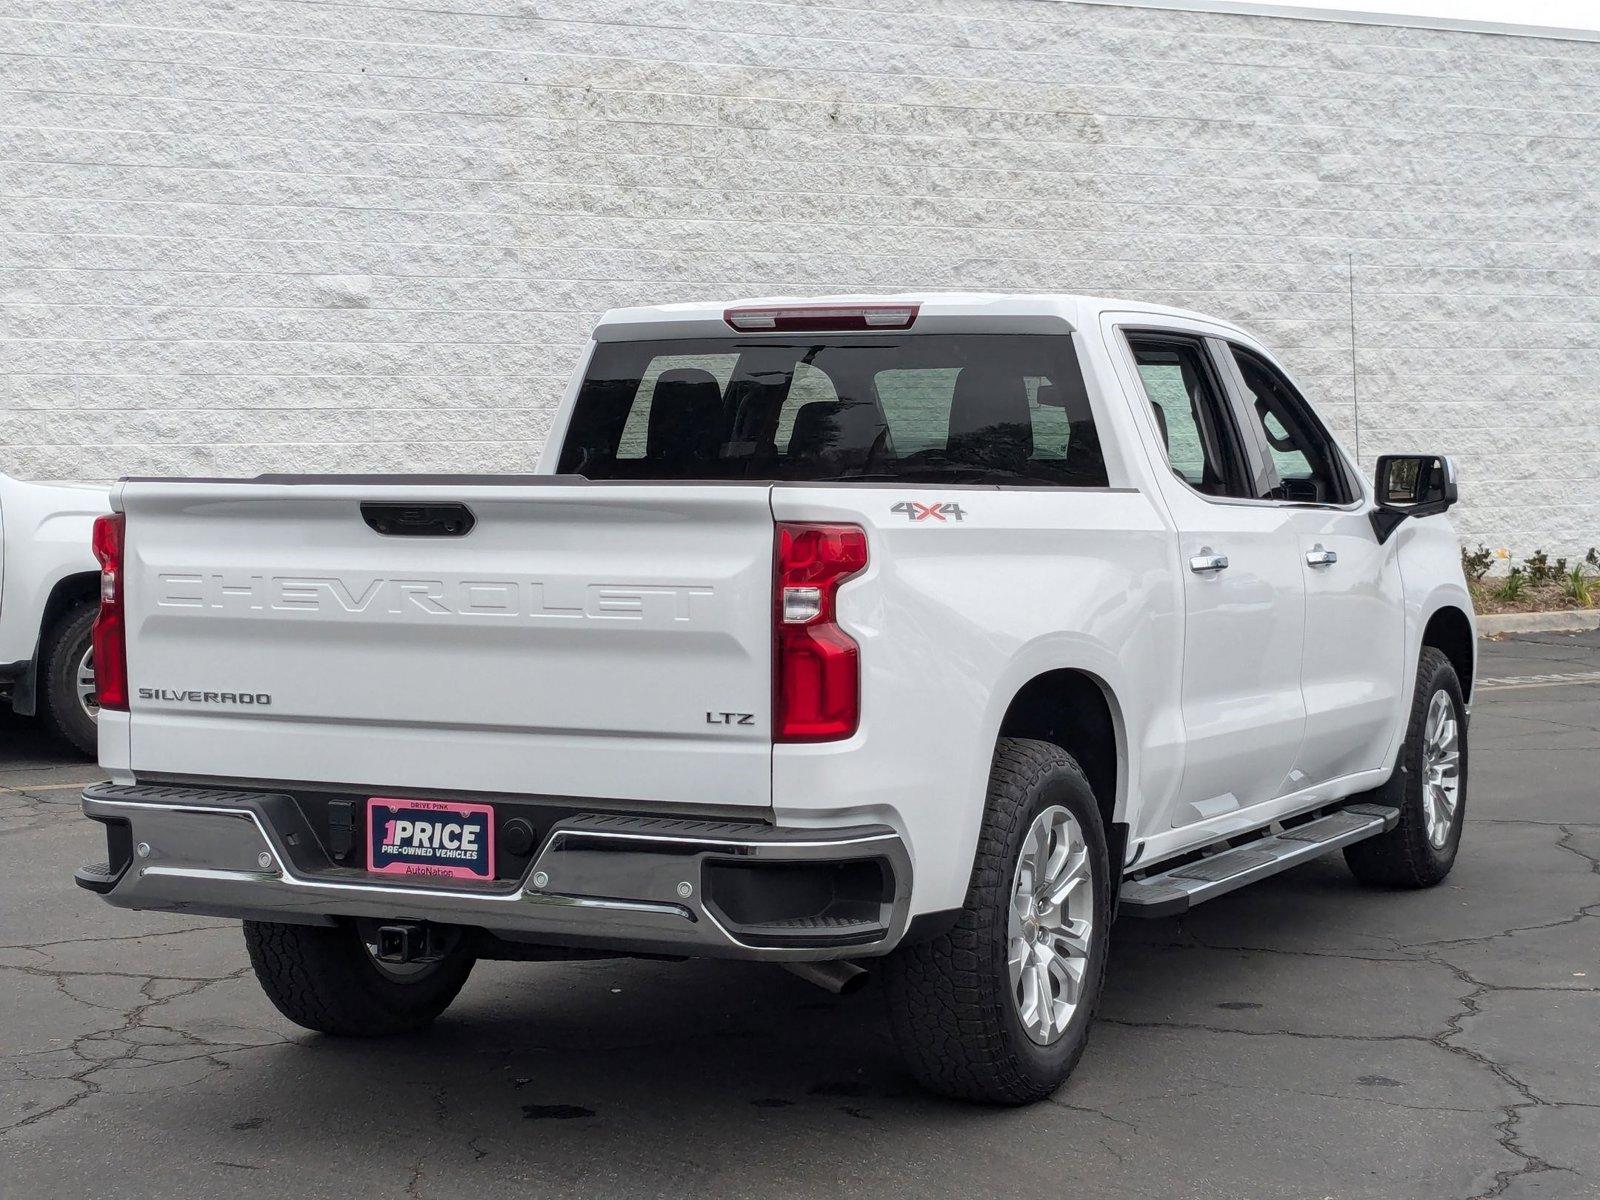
(1198, 942)
(1104, 1141)
(1511, 1118)
(1509, 1124)
(1511, 1114)
(1508, 1127)
(1235, 1031)
(438, 1095)
(120, 937)
(134, 1054)
(1093, 1112)
(1583, 911)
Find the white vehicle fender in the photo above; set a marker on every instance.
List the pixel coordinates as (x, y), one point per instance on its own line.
(46, 533)
(1065, 651)
(1432, 582)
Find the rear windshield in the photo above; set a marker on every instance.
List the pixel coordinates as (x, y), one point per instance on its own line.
(976, 408)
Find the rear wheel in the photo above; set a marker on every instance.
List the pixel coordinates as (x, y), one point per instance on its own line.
(998, 1009)
(67, 703)
(1429, 787)
(329, 979)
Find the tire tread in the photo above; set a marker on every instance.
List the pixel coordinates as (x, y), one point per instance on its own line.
(1403, 857)
(319, 978)
(948, 1013)
(61, 648)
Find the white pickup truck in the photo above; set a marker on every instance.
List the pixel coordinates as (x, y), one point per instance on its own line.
(49, 589)
(917, 634)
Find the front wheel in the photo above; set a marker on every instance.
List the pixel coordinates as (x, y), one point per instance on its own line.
(998, 1009)
(1429, 787)
(329, 979)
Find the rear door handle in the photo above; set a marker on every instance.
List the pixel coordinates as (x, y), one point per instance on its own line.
(1200, 564)
(1318, 557)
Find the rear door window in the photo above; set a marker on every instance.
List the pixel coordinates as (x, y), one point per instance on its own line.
(981, 408)
(1200, 440)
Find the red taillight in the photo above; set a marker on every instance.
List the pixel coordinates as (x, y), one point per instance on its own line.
(816, 318)
(817, 675)
(110, 631)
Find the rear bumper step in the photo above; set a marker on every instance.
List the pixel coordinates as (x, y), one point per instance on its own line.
(1176, 891)
(628, 883)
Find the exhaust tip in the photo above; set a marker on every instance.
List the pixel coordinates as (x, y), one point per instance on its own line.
(840, 978)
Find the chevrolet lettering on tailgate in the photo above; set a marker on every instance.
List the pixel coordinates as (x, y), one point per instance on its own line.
(333, 596)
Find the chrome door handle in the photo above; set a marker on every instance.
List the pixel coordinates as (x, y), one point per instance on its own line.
(1321, 558)
(1201, 563)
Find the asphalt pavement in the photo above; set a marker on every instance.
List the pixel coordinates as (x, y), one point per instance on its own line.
(1307, 1037)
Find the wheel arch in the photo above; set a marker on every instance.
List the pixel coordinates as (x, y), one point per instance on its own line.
(69, 590)
(1077, 710)
(1449, 630)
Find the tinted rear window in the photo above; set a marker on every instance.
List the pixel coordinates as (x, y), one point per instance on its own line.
(982, 408)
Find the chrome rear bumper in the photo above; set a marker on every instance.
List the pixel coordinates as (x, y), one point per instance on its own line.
(627, 883)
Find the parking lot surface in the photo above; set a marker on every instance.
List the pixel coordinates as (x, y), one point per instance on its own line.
(1306, 1037)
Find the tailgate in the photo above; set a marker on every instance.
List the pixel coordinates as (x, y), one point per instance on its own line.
(586, 640)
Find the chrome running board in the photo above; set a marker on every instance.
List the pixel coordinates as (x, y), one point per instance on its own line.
(1172, 892)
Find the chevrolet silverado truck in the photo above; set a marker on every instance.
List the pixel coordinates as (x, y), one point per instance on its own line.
(49, 594)
(919, 636)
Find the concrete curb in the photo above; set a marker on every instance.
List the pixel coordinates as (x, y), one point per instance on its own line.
(1575, 620)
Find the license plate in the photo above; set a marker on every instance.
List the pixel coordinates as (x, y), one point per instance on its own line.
(430, 837)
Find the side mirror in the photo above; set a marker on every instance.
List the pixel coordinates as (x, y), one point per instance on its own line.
(1411, 485)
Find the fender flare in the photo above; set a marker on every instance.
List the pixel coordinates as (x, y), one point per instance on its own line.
(1068, 652)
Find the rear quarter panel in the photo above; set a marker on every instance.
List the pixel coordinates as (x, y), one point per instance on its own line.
(953, 618)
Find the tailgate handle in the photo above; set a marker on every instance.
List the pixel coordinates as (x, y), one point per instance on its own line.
(419, 520)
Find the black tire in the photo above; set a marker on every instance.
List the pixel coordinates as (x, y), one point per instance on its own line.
(1405, 857)
(324, 979)
(950, 999)
(64, 645)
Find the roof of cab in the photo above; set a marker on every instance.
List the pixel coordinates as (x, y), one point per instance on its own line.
(939, 312)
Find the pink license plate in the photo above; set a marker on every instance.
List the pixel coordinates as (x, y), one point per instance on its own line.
(430, 837)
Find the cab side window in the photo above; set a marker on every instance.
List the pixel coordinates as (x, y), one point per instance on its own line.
(1309, 468)
(1185, 400)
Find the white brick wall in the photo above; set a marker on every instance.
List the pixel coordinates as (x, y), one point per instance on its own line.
(242, 235)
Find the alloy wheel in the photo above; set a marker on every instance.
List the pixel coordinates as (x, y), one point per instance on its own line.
(83, 685)
(1051, 923)
(1441, 768)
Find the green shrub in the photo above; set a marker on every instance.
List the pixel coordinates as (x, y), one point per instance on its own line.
(1578, 587)
(1514, 586)
(1476, 563)
(1539, 569)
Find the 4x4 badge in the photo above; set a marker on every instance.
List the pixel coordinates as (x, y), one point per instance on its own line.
(939, 510)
